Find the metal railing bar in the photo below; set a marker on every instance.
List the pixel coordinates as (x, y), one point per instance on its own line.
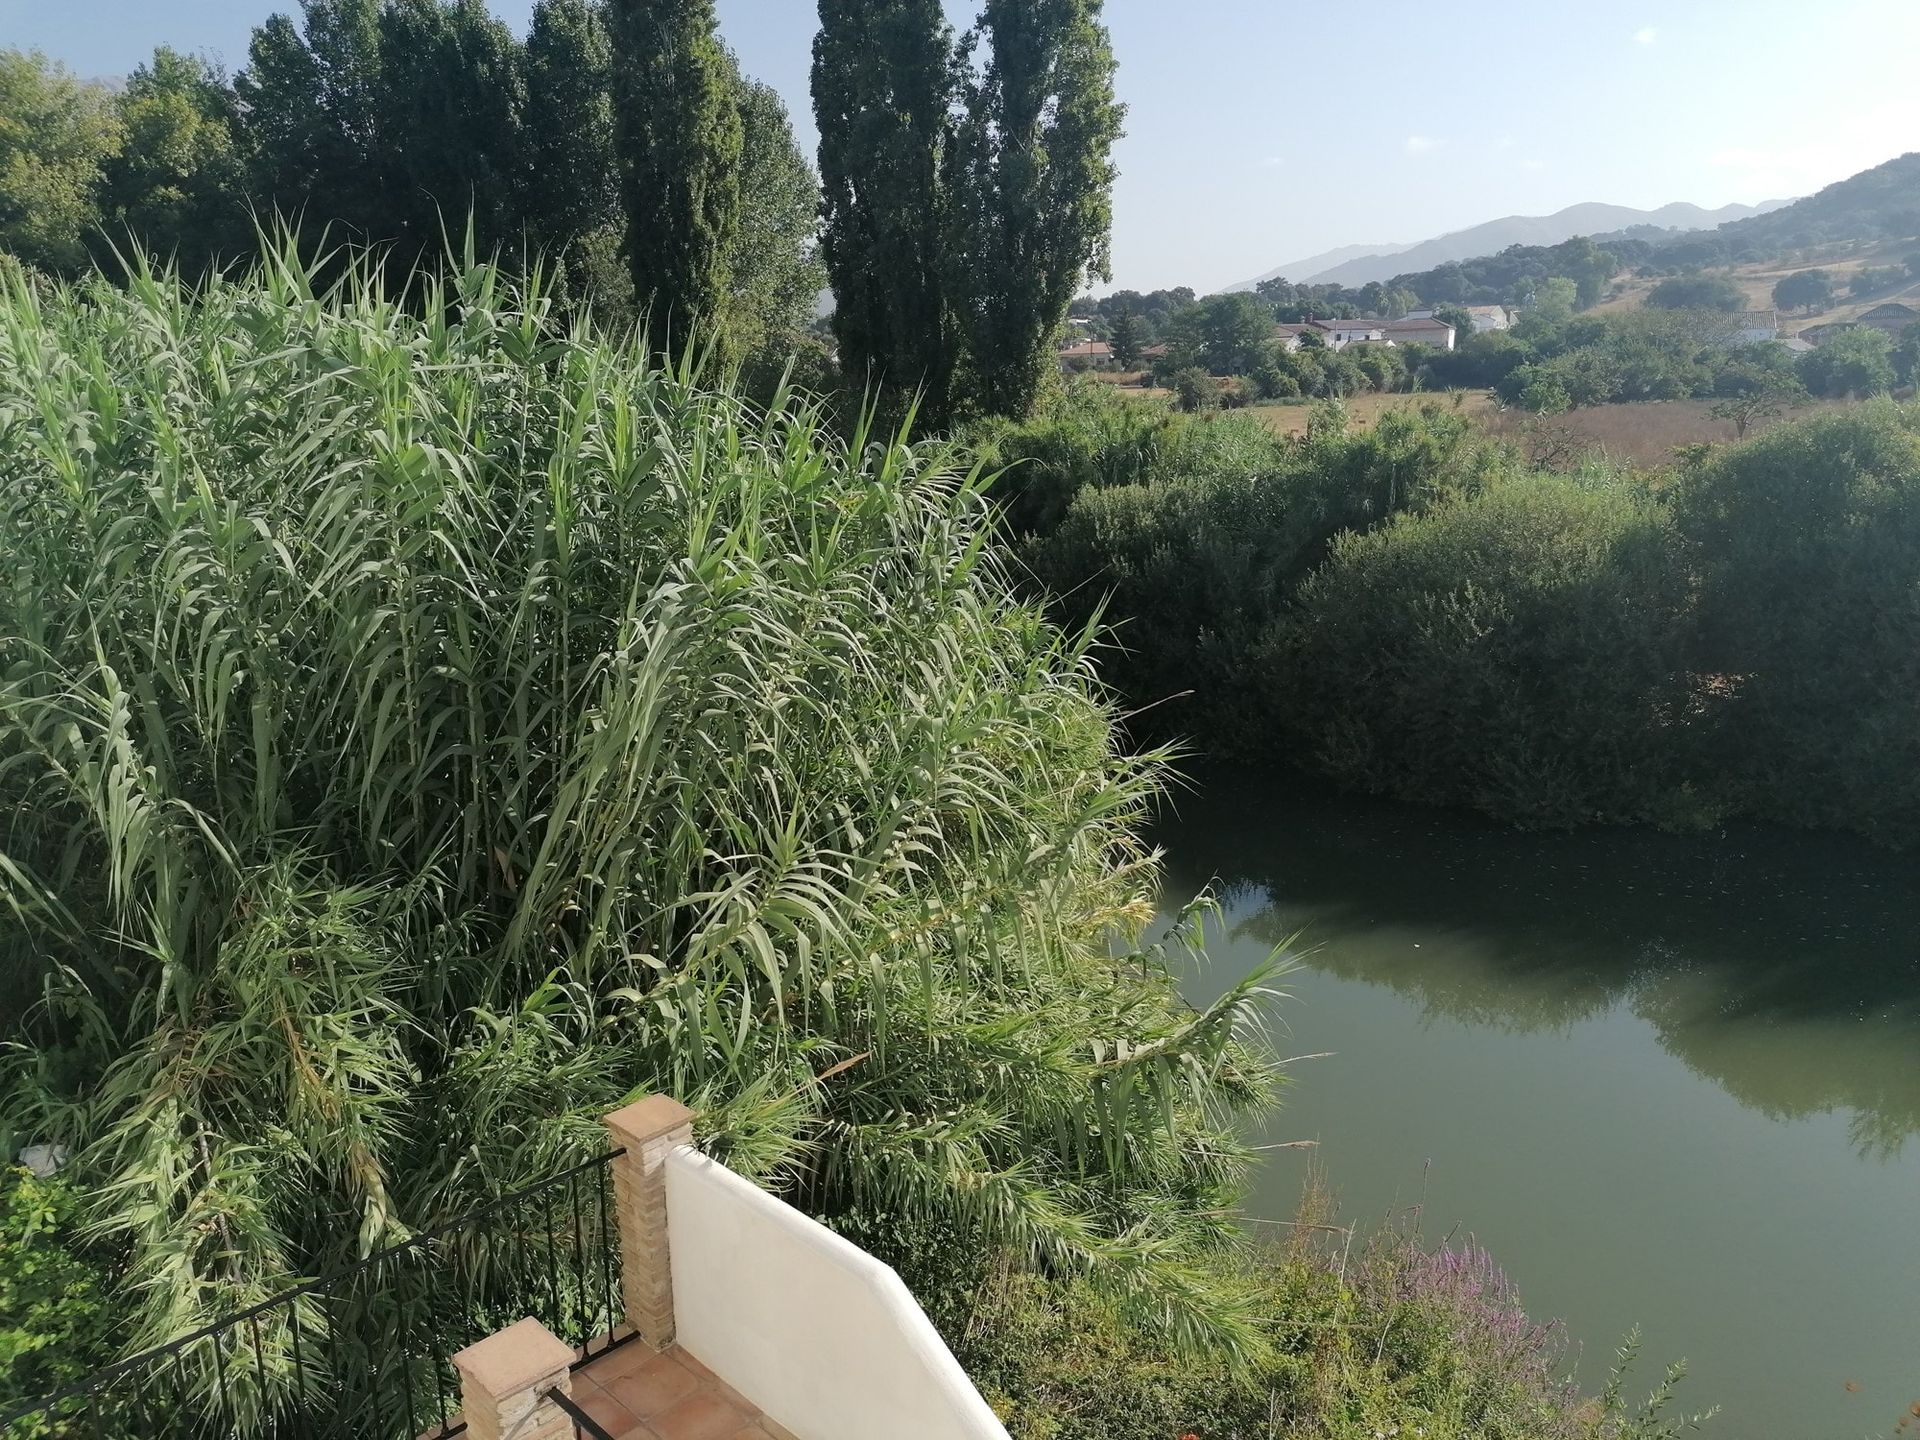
(581, 1419)
(172, 1348)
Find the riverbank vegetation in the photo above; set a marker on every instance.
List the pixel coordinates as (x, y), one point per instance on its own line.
(417, 717)
(440, 698)
(1385, 1335)
(421, 715)
(1415, 610)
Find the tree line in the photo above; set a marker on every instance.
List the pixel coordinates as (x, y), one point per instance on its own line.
(962, 199)
(1412, 608)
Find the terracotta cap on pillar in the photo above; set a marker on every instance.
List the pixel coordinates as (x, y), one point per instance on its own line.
(648, 1118)
(513, 1359)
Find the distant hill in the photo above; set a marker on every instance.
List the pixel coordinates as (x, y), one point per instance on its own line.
(1325, 260)
(1878, 204)
(1496, 235)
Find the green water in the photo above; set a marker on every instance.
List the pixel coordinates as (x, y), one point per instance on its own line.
(1666, 1081)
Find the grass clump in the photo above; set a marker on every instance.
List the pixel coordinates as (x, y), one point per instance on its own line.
(1387, 1337)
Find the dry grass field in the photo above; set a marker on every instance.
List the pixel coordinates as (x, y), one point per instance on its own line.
(1290, 418)
(1643, 434)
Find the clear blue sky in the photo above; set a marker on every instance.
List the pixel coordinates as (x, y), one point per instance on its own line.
(1260, 131)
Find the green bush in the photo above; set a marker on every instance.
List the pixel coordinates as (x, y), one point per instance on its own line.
(1697, 292)
(1096, 439)
(1854, 362)
(1388, 1338)
(1806, 543)
(55, 1310)
(1192, 565)
(1512, 652)
(1194, 389)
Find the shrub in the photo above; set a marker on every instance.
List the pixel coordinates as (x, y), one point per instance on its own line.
(1275, 382)
(1872, 279)
(1194, 389)
(1193, 565)
(1096, 439)
(1389, 1338)
(1803, 290)
(1479, 361)
(1697, 292)
(1807, 546)
(1511, 652)
(1239, 392)
(55, 1316)
(1858, 361)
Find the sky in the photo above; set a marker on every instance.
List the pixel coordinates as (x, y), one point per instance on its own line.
(1263, 131)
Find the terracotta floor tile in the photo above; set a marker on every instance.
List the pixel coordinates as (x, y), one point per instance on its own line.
(628, 1358)
(651, 1388)
(607, 1411)
(703, 1415)
(700, 1371)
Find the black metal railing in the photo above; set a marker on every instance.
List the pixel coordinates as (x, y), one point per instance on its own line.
(585, 1427)
(366, 1353)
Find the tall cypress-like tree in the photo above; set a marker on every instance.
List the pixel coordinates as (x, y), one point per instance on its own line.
(678, 133)
(311, 99)
(883, 92)
(1033, 189)
(1123, 335)
(452, 98)
(572, 181)
(776, 271)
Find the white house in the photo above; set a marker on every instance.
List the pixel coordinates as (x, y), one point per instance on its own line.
(1485, 317)
(1755, 327)
(1420, 330)
(1086, 355)
(1342, 333)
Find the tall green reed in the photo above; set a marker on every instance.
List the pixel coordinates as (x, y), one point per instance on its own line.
(423, 724)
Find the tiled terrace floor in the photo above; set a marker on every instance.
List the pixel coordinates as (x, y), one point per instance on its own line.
(642, 1394)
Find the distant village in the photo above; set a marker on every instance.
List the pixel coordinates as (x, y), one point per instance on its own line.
(1420, 327)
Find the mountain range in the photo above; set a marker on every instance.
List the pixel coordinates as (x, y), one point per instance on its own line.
(1359, 264)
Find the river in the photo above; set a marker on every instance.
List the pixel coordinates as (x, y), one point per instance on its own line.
(1667, 1081)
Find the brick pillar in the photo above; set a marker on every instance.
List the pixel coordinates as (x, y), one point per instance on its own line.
(649, 1130)
(504, 1380)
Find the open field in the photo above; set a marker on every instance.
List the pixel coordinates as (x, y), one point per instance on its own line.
(1645, 433)
(1290, 417)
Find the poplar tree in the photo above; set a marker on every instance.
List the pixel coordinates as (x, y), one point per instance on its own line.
(965, 201)
(883, 91)
(1123, 337)
(311, 98)
(572, 180)
(678, 133)
(774, 265)
(1033, 180)
(451, 111)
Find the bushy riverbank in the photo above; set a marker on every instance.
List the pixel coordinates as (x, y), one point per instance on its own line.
(425, 727)
(1412, 610)
(1368, 1335)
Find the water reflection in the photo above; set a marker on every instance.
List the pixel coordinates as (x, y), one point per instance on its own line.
(1781, 966)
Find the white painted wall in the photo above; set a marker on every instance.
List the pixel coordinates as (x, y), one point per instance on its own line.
(821, 1336)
